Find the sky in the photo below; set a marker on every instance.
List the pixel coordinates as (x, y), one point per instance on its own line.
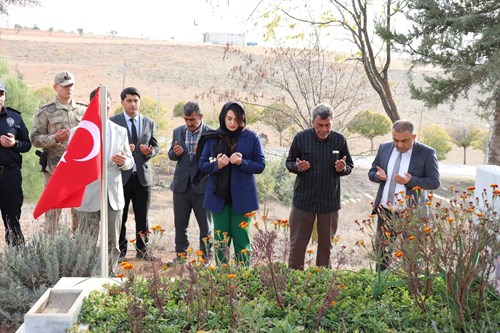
(183, 20)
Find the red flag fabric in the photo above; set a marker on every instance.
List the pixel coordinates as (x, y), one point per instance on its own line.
(80, 164)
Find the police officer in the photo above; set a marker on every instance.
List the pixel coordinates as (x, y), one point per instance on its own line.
(14, 140)
(51, 128)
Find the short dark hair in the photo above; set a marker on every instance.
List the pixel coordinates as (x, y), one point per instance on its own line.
(402, 125)
(190, 107)
(129, 91)
(93, 92)
(322, 110)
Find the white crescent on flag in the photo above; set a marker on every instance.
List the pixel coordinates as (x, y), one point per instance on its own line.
(96, 138)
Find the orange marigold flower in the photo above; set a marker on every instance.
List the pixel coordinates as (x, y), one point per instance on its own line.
(199, 253)
(309, 251)
(470, 209)
(342, 286)
(126, 265)
(224, 265)
(416, 188)
(202, 260)
(430, 196)
(244, 251)
(496, 192)
(494, 185)
(231, 276)
(132, 241)
(451, 219)
(243, 224)
(426, 229)
(217, 231)
(193, 261)
(120, 275)
(398, 254)
(360, 243)
(428, 203)
(156, 227)
(387, 234)
(251, 214)
(372, 216)
(335, 240)
(471, 188)
(411, 237)
(182, 255)
(212, 268)
(333, 303)
(284, 222)
(479, 214)
(189, 250)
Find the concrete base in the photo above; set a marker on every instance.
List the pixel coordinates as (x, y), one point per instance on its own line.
(59, 307)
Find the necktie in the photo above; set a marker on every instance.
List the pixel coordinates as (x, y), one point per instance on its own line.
(392, 184)
(134, 132)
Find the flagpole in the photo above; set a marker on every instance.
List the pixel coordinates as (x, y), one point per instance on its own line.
(103, 99)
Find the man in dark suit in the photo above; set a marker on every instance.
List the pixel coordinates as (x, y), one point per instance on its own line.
(188, 196)
(137, 181)
(399, 167)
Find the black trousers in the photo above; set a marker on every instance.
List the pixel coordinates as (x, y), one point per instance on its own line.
(11, 201)
(141, 199)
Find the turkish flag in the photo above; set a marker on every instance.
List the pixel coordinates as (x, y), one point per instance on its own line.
(79, 166)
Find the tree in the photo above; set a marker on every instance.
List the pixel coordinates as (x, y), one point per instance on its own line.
(436, 137)
(4, 4)
(179, 109)
(462, 38)
(370, 124)
(464, 136)
(277, 124)
(355, 17)
(298, 77)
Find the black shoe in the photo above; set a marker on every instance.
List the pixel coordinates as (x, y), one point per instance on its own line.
(144, 256)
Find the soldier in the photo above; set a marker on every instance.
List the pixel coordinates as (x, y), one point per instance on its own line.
(14, 140)
(51, 128)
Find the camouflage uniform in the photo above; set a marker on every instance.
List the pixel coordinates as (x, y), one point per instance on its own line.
(50, 118)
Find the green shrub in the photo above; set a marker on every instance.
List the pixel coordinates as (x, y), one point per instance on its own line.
(29, 270)
(275, 183)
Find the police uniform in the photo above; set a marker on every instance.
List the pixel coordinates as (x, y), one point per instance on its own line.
(50, 118)
(11, 192)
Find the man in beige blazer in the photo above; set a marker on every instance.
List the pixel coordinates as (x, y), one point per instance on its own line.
(118, 157)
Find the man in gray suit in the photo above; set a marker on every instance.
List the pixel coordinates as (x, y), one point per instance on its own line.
(399, 167)
(137, 181)
(117, 157)
(187, 196)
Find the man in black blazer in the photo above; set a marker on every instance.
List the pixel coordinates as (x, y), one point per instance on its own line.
(188, 196)
(137, 181)
(406, 164)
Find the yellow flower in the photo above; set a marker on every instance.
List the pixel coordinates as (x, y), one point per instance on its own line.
(189, 250)
(244, 251)
(342, 286)
(398, 254)
(335, 240)
(251, 214)
(243, 224)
